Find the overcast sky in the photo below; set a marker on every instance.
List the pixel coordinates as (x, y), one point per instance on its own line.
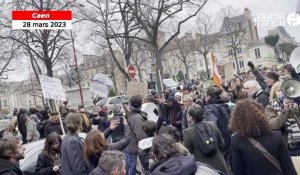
(257, 8)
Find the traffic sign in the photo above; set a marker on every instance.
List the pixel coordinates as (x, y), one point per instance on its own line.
(131, 71)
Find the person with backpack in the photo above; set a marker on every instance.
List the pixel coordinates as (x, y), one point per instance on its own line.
(217, 110)
(204, 140)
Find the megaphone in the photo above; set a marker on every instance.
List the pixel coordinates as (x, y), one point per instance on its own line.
(295, 59)
(207, 84)
(291, 88)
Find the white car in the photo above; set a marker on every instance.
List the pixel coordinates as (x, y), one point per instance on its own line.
(111, 102)
(32, 151)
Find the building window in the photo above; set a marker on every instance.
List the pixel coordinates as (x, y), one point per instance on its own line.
(201, 63)
(4, 102)
(257, 53)
(241, 64)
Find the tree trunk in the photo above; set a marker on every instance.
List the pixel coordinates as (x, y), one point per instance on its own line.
(140, 73)
(158, 70)
(206, 65)
(187, 71)
(236, 62)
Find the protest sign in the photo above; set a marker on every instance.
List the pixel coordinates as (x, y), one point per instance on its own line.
(52, 88)
(100, 85)
(135, 88)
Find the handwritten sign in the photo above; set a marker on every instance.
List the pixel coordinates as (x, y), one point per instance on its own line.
(100, 85)
(146, 143)
(52, 88)
(135, 88)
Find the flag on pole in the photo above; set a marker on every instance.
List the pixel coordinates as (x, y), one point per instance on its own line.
(216, 76)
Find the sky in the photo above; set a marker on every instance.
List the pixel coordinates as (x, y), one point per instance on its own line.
(258, 8)
(261, 9)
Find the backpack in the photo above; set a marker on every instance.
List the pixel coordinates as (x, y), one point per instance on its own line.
(222, 113)
(2, 133)
(206, 140)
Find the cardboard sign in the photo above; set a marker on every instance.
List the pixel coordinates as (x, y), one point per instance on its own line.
(135, 88)
(228, 70)
(52, 88)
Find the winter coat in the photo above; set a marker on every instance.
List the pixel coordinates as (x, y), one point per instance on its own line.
(261, 97)
(248, 160)
(120, 145)
(102, 122)
(185, 123)
(261, 80)
(181, 165)
(175, 113)
(98, 171)
(52, 126)
(217, 160)
(22, 125)
(72, 159)
(31, 129)
(8, 167)
(44, 165)
(135, 119)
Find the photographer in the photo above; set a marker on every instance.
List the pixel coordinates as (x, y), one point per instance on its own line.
(118, 133)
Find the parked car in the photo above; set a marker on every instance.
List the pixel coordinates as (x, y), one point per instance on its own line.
(32, 150)
(111, 102)
(170, 84)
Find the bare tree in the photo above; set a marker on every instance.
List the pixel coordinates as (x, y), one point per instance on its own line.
(206, 38)
(184, 51)
(153, 16)
(114, 24)
(233, 32)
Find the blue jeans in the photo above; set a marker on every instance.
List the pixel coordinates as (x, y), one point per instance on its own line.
(131, 161)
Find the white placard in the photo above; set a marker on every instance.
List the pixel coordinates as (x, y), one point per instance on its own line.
(52, 88)
(100, 85)
(146, 143)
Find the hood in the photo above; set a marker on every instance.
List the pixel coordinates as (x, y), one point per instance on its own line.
(6, 165)
(176, 166)
(216, 100)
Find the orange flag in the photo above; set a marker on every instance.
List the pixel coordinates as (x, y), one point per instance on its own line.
(216, 76)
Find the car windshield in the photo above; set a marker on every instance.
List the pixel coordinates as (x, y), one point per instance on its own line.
(102, 102)
(170, 82)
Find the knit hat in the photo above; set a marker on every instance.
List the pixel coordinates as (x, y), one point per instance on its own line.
(272, 75)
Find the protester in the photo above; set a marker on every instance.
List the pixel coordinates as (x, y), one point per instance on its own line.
(11, 130)
(169, 159)
(254, 90)
(48, 162)
(111, 163)
(217, 110)
(248, 122)
(22, 118)
(44, 120)
(72, 158)
(100, 118)
(53, 125)
(187, 102)
(31, 128)
(204, 140)
(175, 113)
(118, 133)
(11, 151)
(95, 143)
(135, 119)
(86, 121)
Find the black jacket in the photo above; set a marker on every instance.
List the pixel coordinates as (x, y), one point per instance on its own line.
(262, 98)
(52, 126)
(102, 122)
(175, 166)
(44, 166)
(9, 168)
(248, 160)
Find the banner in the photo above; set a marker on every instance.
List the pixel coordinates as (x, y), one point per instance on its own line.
(52, 88)
(215, 73)
(100, 85)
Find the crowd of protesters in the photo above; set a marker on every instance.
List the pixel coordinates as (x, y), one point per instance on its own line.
(240, 128)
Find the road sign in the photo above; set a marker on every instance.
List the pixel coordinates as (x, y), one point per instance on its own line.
(131, 71)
